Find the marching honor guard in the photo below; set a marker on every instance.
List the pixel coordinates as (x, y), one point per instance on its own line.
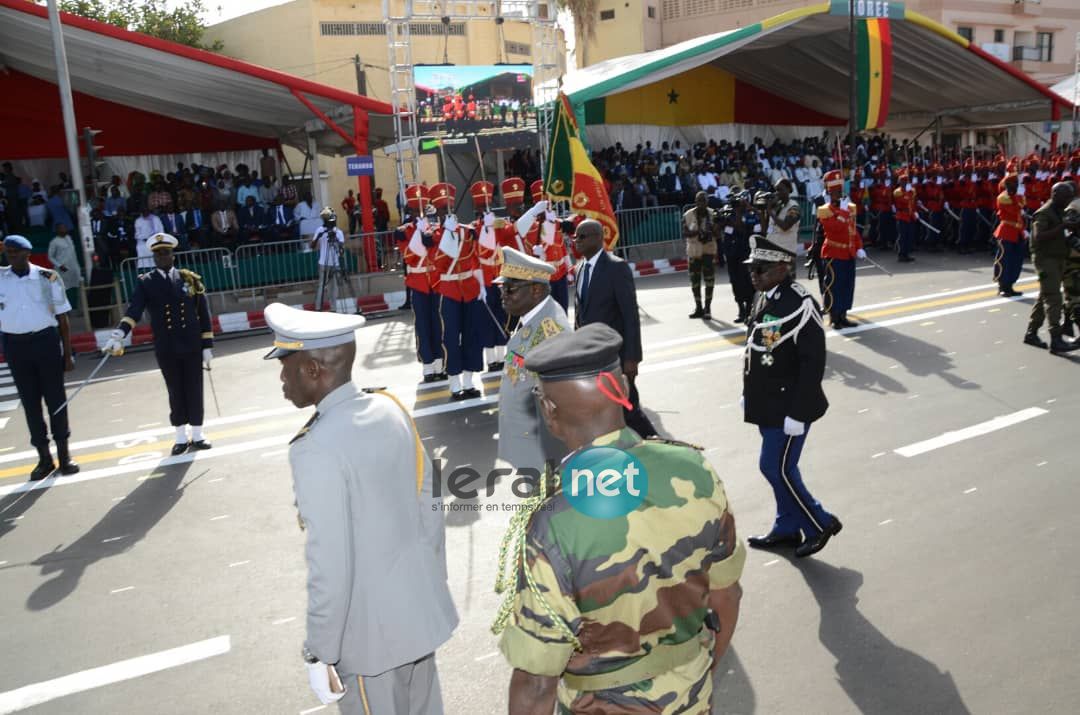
(461, 288)
(362, 481)
(422, 281)
(782, 372)
(550, 246)
(1010, 234)
(37, 346)
(907, 213)
(513, 191)
(524, 440)
(493, 330)
(842, 245)
(183, 337)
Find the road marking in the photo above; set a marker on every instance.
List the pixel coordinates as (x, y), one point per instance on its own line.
(219, 518)
(879, 454)
(274, 453)
(485, 657)
(119, 498)
(883, 523)
(912, 397)
(38, 693)
(217, 479)
(315, 709)
(239, 563)
(114, 538)
(1051, 401)
(969, 491)
(147, 425)
(1022, 367)
(3, 422)
(282, 621)
(121, 590)
(770, 563)
(950, 438)
(9, 405)
(1042, 464)
(2, 563)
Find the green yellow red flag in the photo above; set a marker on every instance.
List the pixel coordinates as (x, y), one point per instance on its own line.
(873, 64)
(571, 176)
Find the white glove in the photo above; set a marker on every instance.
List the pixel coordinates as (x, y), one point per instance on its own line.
(550, 216)
(860, 253)
(794, 428)
(449, 244)
(450, 223)
(538, 251)
(207, 356)
(547, 233)
(539, 207)
(729, 230)
(422, 225)
(319, 678)
(527, 219)
(416, 243)
(489, 219)
(757, 228)
(946, 205)
(115, 344)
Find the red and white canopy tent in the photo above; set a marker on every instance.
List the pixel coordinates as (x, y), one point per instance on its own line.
(152, 97)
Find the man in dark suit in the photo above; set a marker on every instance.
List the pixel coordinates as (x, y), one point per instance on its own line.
(195, 223)
(279, 219)
(606, 294)
(782, 395)
(173, 222)
(251, 219)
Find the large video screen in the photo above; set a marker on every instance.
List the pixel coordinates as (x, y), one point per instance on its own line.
(464, 100)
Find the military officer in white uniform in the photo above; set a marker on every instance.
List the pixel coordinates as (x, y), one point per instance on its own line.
(378, 600)
(524, 441)
(37, 346)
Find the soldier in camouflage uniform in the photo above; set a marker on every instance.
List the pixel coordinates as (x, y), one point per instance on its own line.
(626, 614)
(700, 229)
(1071, 277)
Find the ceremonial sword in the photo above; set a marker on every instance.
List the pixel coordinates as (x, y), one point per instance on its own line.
(929, 226)
(210, 374)
(494, 320)
(85, 382)
(875, 264)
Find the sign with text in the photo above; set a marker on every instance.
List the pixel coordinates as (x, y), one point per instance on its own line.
(869, 9)
(360, 166)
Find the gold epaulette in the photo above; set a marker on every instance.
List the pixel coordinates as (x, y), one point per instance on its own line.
(194, 280)
(824, 212)
(550, 327)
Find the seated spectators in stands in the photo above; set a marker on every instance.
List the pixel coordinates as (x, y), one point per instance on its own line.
(224, 227)
(195, 224)
(307, 214)
(159, 199)
(38, 212)
(120, 232)
(624, 197)
(251, 220)
(247, 190)
(173, 222)
(267, 191)
(280, 223)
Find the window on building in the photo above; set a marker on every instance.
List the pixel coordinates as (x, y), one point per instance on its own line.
(968, 33)
(1044, 43)
(999, 36)
(607, 14)
(652, 12)
(518, 48)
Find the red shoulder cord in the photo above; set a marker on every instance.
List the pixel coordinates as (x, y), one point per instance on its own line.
(614, 392)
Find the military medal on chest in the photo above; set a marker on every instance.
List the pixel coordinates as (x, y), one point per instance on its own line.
(769, 336)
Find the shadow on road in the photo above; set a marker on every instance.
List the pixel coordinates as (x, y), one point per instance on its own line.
(122, 527)
(396, 345)
(732, 692)
(878, 675)
(917, 356)
(856, 375)
(14, 506)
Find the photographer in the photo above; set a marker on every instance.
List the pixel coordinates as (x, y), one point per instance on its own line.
(700, 231)
(736, 244)
(329, 240)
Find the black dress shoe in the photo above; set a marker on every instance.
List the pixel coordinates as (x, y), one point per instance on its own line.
(441, 376)
(1059, 345)
(42, 470)
(812, 546)
(199, 444)
(179, 448)
(1034, 339)
(495, 366)
(68, 468)
(773, 540)
(698, 313)
(472, 392)
(458, 396)
(429, 378)
(707, 315)
(1010, 293)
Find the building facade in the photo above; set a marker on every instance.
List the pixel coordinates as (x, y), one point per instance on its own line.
(1038, 37)
(342, 43)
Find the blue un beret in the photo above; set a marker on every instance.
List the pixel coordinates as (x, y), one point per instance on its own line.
(17, 241)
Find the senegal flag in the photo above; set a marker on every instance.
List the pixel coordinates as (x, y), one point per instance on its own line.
(571, 176)
(873, 66)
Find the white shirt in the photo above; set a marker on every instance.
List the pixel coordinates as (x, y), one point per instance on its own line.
(592, 270)
(308, 216)
(147, 227)
(62, 253)
(326, 258)
(30, 303)
(527, 318)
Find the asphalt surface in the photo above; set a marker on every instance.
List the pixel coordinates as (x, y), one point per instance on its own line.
(950, 589)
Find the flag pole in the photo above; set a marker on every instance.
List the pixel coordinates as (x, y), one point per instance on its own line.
(852, 88)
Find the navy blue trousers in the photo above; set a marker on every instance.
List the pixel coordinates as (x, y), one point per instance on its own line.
(183, 373)
(37, 367)
(796, 508)
(968, 221)
(560, 291)
(428, 326)
(491, 336)
(886, 228)
(905, 238)
(1008, 263)
(837, 286)
(461, 335)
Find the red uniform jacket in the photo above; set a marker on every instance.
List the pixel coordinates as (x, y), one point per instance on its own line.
(842, 239)
(933, 197)
(904, 202)
(985, 194)
(490, 257)
(456, 279)
(880, 197)
(421, 274)
(965, 193)
(555, 254)
(1036, 192)
(1010, 213)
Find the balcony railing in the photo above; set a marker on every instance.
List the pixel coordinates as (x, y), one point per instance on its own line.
(1031, 54)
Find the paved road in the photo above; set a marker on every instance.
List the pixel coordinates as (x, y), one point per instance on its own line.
(172, 585)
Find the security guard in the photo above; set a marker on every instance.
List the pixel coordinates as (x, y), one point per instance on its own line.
(362, 481)
(1010, 235)
(37, 345)
(782, 372)
(839, 249)
(524, 441)
(1050, 252)
(570, 614)
(700, 228)
(183, 337)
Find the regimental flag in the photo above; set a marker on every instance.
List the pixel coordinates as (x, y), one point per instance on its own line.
(873, 64)
(571, 176)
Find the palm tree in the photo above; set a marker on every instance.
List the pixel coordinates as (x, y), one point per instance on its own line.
(584, 14)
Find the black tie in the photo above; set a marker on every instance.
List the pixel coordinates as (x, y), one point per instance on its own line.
(585, 284)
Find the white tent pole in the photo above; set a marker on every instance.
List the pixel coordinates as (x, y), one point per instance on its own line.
(316, 178)
(63, 81)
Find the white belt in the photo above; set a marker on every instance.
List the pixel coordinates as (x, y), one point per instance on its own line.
(414, 269)
(455, 276)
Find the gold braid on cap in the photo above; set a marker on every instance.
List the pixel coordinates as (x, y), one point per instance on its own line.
(522, 273)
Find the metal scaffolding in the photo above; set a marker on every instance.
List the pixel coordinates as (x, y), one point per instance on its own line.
(540, 14)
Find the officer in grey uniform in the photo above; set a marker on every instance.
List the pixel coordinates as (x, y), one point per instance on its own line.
(34, 321)
(524, 440)
(378, 601)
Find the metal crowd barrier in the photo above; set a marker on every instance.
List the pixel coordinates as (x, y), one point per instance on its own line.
(648, 226)
(215, 265)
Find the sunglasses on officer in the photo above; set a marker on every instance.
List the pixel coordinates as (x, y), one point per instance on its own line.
(761, 268)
